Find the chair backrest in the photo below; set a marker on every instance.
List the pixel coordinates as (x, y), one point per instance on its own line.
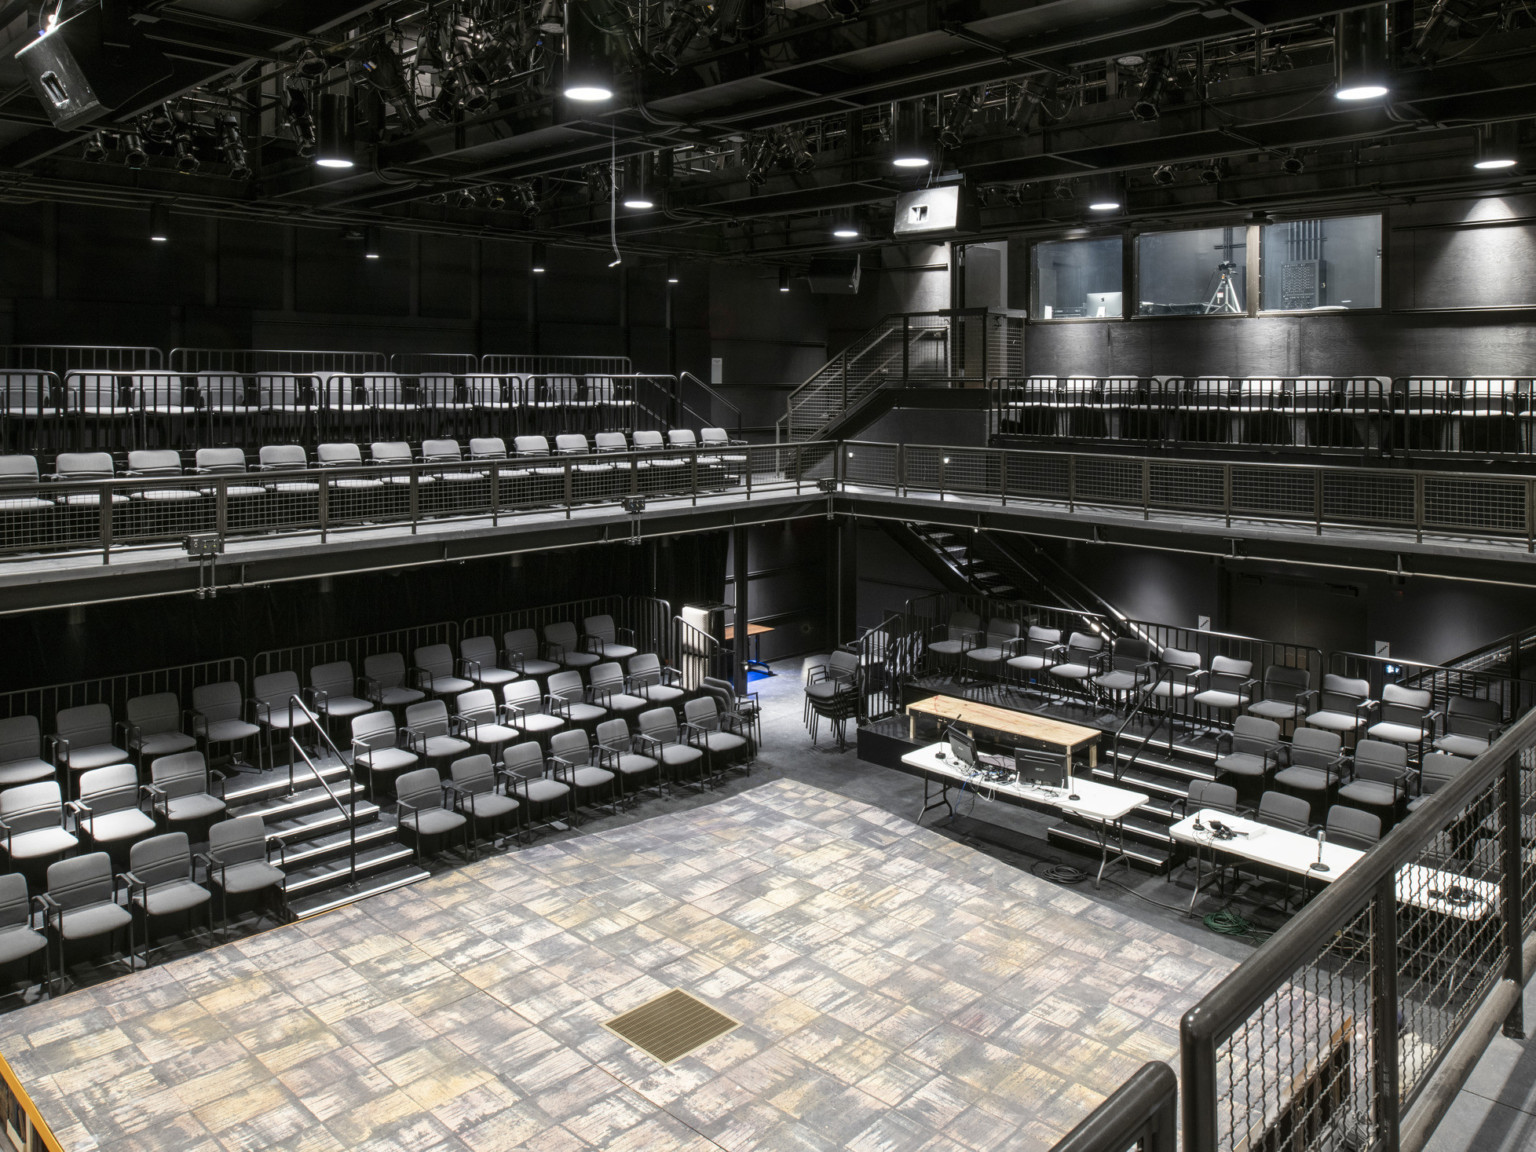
(1280, 810)
(521, 642)
(428, 717)
(220, 460)
(682, 438)
(441, 451)
(571, 746)
(221, 701)
(1315, 747)
(1378, 760)
(1126, 654)
(611, 442)
(721, 690)
(701, 711)
(375, 730)
(566, 685)
(1352, 827)
(15, 903)
(1180, 663)
(525, 759)
(614, 734)
(20, 739)
(114, 788)
(84, 465)
(390, 452)
(1081, 645)
(386, 669)
(1209, 794)
(999, 632)
(1227, 674)
(1438, 769)
(1283, 683)
(647, 438)
(85, 724)
(180, 774)
(843, 665)
(276, 687)
(601, 627)
(18, 470)
(335, 679)
(1254, 734)
(1343, 693)
(572, 444)
(479, 650)
(1397, 696)
(420, 788)
(159, 712)
(237, 840)
(524, 694)
(715, 436)
(487, 448)
(1042, 638)
(338, 456)
(161, 859)
(963, 625)
(647, 666)
(563, 633)
(473, 773)
(478, 705)
(658, 724)
(81, 881)
(435, 659)
(282, 456)
(29, 806)
(531, 445)
(607, 675)
(810, 664)
(155, 462)
(1472, 716)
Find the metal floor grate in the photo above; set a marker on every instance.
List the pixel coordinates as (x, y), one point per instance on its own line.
(671, 1026)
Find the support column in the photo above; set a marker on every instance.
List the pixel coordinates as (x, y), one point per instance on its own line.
(847, 591)
(739, 581)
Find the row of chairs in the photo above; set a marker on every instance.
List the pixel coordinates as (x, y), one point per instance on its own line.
(1295, 393)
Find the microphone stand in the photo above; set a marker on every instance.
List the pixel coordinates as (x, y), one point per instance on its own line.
(1318, 865)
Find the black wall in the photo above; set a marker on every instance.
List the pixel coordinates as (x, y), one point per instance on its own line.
(787, 573)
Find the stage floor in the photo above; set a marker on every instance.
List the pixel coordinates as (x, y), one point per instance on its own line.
(897, 990)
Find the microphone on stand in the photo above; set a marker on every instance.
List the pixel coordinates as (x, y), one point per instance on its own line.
(1318, 865)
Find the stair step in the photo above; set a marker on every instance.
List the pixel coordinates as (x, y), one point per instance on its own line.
(1160, 741)
(303, 852)
(315, 819)
(1143, 854)
(250, 787)
(1184, 769)
(378, 858)
(1154, 786)
(317, 902)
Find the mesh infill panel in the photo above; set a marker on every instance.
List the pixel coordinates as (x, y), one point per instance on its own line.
(1108, 481)
(1195, 487)
(1272, 492)
(1367, 497)
(1039, 476)
(1474, 504)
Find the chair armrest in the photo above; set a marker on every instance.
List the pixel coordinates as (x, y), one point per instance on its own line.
(59, 746)
(261, 710)
(671, 676)
(694, 733)
(404, 808)
(563, 767)
(1223, 738)
(415, 741)
(555, 652)
(198, 723)
(421, 679)
(559, 705)
(458, 726)
(513, 661)
(282, 849)
(601, 694)
(369, 687)
(516, 713)
(470, 670)
(651, 746)
(1306, 699)
(736, 721)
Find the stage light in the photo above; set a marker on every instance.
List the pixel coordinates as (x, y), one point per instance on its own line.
(783, 279)
(1163, 175)
(373, 242)
(536, 259)
(1498, 146)
(159, 222)
(587, 74)
(95, 150)
(301, 121)
(186, 158)
(1445, 19)
(845, 226)
(637, 196)
(681, 29)
(672, 276)
(1360, 54)
(159, 124)
(133, 151)
(792, 150)
(1062, 190)
(1293, 165)
(234, 148)
(311, 65)
(495, 197)
(379, 67)
(525, 199)
(911, 140)
(1153, 85)
(1104, 193)
(334, 148)
(599, 182)
(1211, 173)
(1031, 94)
(958, 119)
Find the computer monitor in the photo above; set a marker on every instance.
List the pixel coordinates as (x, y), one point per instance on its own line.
(1039, 768)
(1105, 304)
(962, 746)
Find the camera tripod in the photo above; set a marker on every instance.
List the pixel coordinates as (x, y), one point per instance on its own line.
(1224, 296)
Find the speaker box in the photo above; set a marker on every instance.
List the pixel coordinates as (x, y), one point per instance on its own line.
(834, 275)
(91, 64)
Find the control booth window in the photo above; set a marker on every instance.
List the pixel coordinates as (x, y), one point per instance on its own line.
(1192, 273)
(1077, 280)
(1326, 265)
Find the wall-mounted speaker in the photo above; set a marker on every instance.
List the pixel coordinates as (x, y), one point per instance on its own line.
(90, 64)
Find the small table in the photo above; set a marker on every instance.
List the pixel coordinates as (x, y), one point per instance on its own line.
(1102, 805)
(1010, 722)
(755, 636)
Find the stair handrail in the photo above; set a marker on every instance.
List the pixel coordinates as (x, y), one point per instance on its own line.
(1147, 694)
(350, 814)
(713, 395)
(707, 655)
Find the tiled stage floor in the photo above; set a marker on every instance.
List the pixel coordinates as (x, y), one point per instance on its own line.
(898, 990)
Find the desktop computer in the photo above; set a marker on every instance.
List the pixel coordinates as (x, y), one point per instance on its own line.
(1039, 769)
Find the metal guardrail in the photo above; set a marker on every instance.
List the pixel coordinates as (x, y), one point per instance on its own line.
(1139, 1116)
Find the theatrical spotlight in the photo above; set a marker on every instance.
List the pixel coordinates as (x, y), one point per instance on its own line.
(1211, 173)
(523, 199)
(758, 154)
(957, 119)
(1155, 83)
(301, 120)
(599, 182)
(376, 65)
(792, 152)
(159, 124)
(1293, 165)
(681, 29)
(186, 156)
(133, 151)
(95, 149)
(1163, 175)
(311, 65)
(1445, 20)
(233, 147)
(1062, 190)
(1031, 94)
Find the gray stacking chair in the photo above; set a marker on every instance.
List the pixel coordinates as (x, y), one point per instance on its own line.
(18, 939)
(988, 654)
(606, 689)
(1078, 660)
(422, 808)
(520, 648)
(348, 456)
(607, 639)
(432, 734)
(1278, 810)
(108, 812)
(1178, 675)
(616, 751)
(80, 904)
(239, 862)
(384, 683)
(82, 738)
(1281, 696)
(478, 794)
(562, 645)
(526, 711)
(280, 458)
(154, 727)
(32, 822)
(1316, 765)
(1251, 751)
(948, 641)
(653, 682)
(1405, 716)
(1209, 794)
(838, 675)
(1343, 705)
(180, 790)
(567, 698)
(660, 738)
(434, 672)
(527, 775)
(1378, 781)
(743, 704)
(1353, 828)
(1131, 665)
(726, 738)
(217, 717)
(477, 660)
(1227, 686)
(1471, 725)
(1029, 655)
(275, 710)
(21, 752)
(334, 689)
(571, 754)
(375, 747)
(1436, 771)
(160, 883)
(481, 721)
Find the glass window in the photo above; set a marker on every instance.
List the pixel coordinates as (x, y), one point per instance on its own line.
(1195, 273)
(1320, 265)
(1074, 279)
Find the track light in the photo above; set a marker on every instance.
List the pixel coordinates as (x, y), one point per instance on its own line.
(1104, 193)
(311, 65)
(783, 279)
(1163, 175)
(758, 155)
(1013, 195)
(1293, 165)
(133, 151)
(1360, 54)
(1211, 173)
(672, 276)
(470, 95)
(234, 148)
(958, 119)
(599, 182)
(1498, 146)
(587, 74)
(536, 259)
(1062, 190)
(792, 151)
(1152, 87)
(495, 197)
(913, 146)
(469, 198)
(373, 246)
(159, 222)
(159, 124)
(524, 199)
(186, 158)
(334, 147)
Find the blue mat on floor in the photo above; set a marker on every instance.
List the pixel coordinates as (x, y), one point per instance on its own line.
(751, 676)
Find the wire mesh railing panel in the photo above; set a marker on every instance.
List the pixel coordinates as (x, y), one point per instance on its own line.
(1299, 1072)
(1367, 497)
(922, 467)
(1474, 504)
(1037, 476)
(972, 471)
(355, 649)
(1107, 480)
(871, 465)
(1282, 493)
(1196, 487)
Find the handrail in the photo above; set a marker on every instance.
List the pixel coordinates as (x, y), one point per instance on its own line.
(711, 648)
(1166, 714)
(350, 815)
(1141, 1113)
(714, 394)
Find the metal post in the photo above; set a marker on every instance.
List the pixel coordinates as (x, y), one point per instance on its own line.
(104, 518)
(1418, 507)
(1146, 489)
(495, 493)
(1071, 483)
(221, 510)
(1384, 1010)
(1317, 499)
(906, 351)
(323, 506)
(739, 639)
(1512, 895)
(1226, 491)
(566, 489)
(413, 491)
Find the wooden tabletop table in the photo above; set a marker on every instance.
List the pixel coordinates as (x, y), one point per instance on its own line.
(1043, 730)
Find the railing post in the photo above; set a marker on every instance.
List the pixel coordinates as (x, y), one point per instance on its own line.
(566, 488)
(906, 351)
(1071, 483)
(221, 510)
(1002, 477)
(1146, 488)
(1530, 515)
(1384, 1011)
(495, 493)
(413, 492)
(1512, 894)
(104, 518)
(943, 460)
(1418, 507)
(1197, 1087)
(1317, 500)
(323, 506)
(1226, 492)
(901, 469)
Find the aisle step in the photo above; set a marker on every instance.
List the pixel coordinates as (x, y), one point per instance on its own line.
(317, 902)
(377, 858)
